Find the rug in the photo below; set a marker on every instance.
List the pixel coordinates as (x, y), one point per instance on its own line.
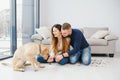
(102, 61)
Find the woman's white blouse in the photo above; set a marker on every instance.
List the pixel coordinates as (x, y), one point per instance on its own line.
(52, 54)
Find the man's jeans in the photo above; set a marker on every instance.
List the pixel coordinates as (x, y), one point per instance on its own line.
(83, 56)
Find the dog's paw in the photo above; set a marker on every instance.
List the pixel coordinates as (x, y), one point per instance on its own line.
(35, 70)
(21, 70)
(41, 66)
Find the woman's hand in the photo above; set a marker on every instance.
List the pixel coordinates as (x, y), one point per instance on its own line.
(65, 54)
(58, 58)
(50, 60)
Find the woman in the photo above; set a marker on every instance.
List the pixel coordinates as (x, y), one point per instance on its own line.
(59, 45)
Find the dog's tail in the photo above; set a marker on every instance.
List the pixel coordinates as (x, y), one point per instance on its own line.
(6, 64)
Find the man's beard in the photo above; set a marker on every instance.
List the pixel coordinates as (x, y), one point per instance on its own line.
(68, 36)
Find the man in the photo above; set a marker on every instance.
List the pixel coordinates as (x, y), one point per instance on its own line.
(81, 50)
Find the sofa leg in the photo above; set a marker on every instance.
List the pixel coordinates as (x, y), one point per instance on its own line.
(111, 55)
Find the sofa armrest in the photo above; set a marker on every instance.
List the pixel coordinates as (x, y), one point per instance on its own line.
(37, 37)
(111, 37)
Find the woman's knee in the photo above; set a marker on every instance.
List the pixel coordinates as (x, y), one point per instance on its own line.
(40, 59)
(63, 61)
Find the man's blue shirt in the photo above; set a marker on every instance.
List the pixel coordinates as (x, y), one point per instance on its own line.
(78, 41)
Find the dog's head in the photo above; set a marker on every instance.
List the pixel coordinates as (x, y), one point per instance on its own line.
(44, 51)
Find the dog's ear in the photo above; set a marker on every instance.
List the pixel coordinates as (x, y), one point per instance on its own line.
(44, 51)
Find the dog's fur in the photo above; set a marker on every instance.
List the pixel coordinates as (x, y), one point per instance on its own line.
(28, 52)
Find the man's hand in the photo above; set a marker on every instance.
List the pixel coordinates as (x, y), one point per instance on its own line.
(65, 54)
(58, 58)
(50, 60)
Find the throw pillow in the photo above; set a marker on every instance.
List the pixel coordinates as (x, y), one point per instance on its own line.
(111, 37)
(37, 36)
(100, 34)
(44, 32)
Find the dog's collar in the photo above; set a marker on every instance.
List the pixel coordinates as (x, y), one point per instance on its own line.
(47, 58)
(40, 48)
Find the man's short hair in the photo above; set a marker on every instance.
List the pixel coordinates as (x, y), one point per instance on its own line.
(66, 26)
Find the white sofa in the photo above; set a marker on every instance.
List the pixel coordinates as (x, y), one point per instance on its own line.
(105, 45)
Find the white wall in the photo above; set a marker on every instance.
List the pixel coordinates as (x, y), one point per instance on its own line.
(80, 13)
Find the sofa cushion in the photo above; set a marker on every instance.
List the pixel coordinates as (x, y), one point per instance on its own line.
(100, 34)
(44, 32)
(81, 29)
(89, 31)
(46, 41)
(37, 36)
(97, 42)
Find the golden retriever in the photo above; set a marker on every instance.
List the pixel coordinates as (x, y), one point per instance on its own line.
(28, 52)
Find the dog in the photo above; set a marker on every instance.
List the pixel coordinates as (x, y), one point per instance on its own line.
(28, 52)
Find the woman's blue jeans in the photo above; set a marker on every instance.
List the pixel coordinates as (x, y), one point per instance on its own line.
(42, 60)
(83, 56)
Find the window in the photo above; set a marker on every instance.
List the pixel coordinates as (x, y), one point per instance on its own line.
(11, 29)
(19, 23)
(5, 28)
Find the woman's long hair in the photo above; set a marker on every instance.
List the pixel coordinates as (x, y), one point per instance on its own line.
(54, 41)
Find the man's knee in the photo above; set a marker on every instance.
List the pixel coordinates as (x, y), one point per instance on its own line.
(73, 60)
(86, 56)
(86, 61)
